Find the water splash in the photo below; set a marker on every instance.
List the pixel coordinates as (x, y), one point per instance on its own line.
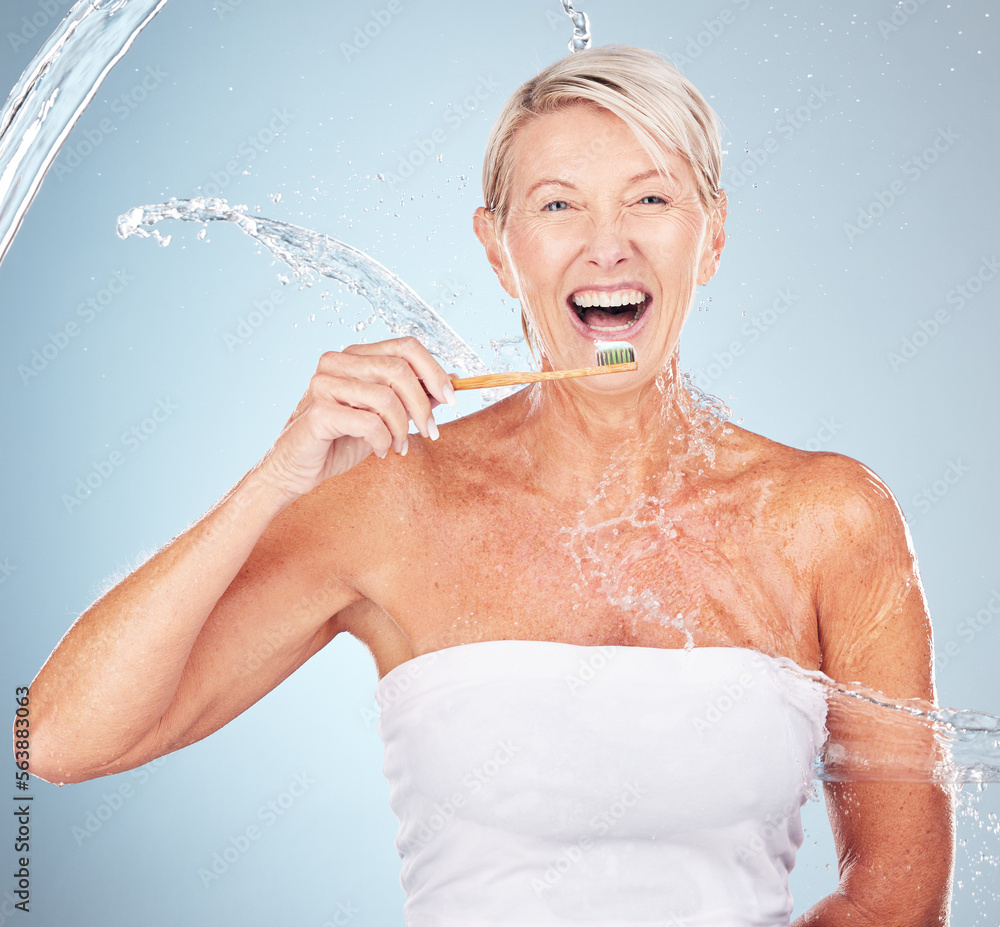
(713, 414)
(53, 92)
(610, 565)
(581, 27)
(872, 737)
(877, 738)
(312, 254)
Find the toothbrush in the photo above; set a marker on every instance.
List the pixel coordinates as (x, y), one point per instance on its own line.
(612, 357)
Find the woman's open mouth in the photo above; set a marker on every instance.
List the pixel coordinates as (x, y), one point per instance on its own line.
(609, 311)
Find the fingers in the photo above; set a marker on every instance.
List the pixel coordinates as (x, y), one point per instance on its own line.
(359, 401)
(406, 368)
(362, 409)
(435, 381)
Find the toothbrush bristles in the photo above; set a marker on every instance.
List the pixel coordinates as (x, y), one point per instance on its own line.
(620, 353)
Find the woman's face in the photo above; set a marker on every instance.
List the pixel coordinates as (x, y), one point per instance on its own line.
(592, 223)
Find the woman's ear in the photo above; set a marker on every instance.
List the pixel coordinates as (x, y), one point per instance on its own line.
(715, 241)
(483, 223)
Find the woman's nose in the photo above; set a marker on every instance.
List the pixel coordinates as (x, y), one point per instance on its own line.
(607, 244)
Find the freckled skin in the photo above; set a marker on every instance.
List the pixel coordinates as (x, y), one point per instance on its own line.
(710, 547)
(603, 510)
(619, 513)
(541, 480)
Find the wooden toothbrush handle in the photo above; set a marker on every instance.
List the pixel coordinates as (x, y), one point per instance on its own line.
(535, 376)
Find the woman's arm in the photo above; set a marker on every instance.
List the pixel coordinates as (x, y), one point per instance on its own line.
(895, 840)
(237, 602)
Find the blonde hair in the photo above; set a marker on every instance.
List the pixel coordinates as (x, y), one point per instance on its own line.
(663, 109)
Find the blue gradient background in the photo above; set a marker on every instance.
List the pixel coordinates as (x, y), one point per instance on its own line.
(819, 376)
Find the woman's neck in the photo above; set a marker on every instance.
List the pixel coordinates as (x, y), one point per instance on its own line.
(578, 440)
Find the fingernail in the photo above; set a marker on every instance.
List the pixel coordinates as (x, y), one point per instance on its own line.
(432, 429)
(449, 394)
(406, 445)
(382, 455)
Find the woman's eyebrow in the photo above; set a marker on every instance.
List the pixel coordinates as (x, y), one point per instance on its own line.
(645, 175)
(551, 182)
(638, 178)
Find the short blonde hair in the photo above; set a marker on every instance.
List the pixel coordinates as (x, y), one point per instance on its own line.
(661, 106)
(663, 109)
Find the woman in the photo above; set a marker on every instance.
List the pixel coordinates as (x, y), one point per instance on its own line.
(581, 600)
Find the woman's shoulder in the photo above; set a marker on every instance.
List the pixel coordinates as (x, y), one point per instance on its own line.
(390, 487)
(832, 492)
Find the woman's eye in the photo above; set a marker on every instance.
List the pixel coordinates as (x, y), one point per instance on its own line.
(652, 200)
(557, 206)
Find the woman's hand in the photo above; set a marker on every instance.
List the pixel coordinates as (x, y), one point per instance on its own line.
(359, 401)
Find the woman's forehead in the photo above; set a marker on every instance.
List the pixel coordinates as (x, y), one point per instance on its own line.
(578, 141)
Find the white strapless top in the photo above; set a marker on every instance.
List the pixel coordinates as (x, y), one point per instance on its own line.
(542, 783)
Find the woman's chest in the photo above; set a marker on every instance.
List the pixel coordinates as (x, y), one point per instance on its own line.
(646, 574)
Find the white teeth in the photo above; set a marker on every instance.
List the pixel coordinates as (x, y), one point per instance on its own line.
(587, 298)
